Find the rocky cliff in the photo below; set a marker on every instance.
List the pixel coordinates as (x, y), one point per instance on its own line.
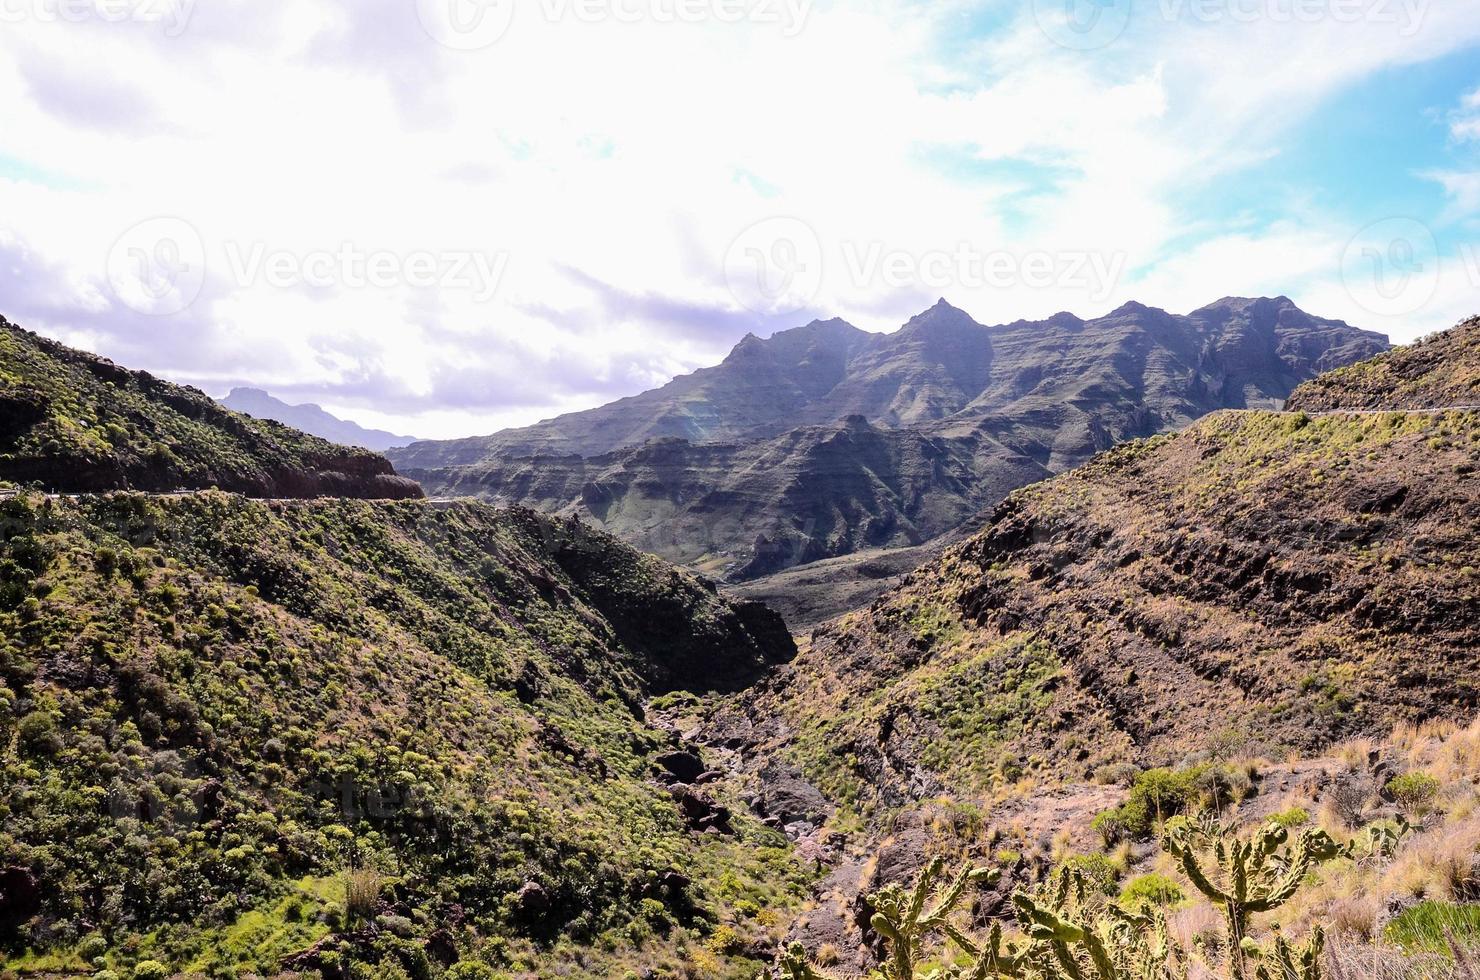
(1288, 578)
(825, 441)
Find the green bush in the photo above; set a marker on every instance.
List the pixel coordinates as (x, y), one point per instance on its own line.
(150, 970)
(1157, 794)
(1150, 890)
(1414, 791)
(1097, 870)
(1293, 817)
(470, 970)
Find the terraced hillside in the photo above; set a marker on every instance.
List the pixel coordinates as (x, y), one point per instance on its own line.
(74, 422)
(1300, 577)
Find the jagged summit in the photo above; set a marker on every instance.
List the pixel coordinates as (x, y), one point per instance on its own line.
(958, 414)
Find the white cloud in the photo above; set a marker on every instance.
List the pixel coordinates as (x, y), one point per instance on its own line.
(614, 163)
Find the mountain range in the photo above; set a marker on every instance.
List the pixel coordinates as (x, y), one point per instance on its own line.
(1257, 585)
(827, 441)
(349, 738)
(312, 419)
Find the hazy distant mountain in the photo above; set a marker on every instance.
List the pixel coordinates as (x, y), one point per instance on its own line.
(312, 419)
(826, 440)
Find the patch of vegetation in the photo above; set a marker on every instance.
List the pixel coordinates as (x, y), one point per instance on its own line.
(75, 422)
(1158, 794)
(1414, 791)
(234, 731)
(1151, 890)
(1428, 926)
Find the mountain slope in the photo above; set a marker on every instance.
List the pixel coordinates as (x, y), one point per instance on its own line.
(74, 422)
(890, 441)
(757, 390)
(1440, 372)
(749, 509)
(1290, 578)
(311, 419)
(216, 709)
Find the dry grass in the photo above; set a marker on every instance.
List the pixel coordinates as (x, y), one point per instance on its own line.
(1197, 929)
(1436, 865)
(1369, 961)
(361, 894)
(1355, 918)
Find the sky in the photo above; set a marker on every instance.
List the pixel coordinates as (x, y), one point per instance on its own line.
(446, 217)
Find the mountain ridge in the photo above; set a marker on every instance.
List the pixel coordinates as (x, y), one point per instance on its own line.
(71, 421)
(962, 412)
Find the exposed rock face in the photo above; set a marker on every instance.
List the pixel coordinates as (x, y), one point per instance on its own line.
(758, 390)
(1296, 579)
(825, 441)
(75, 423)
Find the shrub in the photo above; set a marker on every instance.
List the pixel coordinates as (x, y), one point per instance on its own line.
(361, 894)
(469, 970)
(150, 970)
(1150, 890)
(92, 947)
(725, 941)
(1293, 817)
(1097, 870)
(1157, 794)
(1414, 791)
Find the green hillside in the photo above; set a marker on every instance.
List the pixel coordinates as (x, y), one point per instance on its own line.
(377, 736)
(74, 422)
